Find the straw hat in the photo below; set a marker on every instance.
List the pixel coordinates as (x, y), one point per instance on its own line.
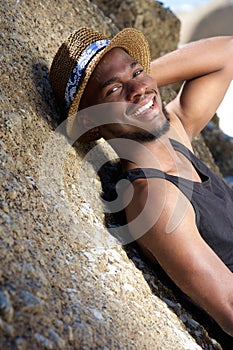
(76, 60)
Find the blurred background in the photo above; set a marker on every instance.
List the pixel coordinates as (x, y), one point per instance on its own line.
(202, 19)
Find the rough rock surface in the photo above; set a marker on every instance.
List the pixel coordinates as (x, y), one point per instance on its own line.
(221, 147)
(160, 26)
(65, 283)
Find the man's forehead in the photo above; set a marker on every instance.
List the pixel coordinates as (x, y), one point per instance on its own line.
(117, 53)
(114, 60)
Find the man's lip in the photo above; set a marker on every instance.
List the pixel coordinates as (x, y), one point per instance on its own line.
(132, 109)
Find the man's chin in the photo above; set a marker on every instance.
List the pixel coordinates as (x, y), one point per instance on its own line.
(145, 136)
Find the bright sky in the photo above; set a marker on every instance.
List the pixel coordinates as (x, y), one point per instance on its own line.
(225, 112)
(181, 5)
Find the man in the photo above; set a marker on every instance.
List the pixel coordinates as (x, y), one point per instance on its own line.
(185, 211)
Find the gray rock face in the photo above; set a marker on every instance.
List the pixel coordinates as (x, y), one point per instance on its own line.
(221, 146)
(160, 26)
(66, 283)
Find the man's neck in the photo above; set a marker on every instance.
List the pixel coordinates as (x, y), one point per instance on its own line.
(157, 154)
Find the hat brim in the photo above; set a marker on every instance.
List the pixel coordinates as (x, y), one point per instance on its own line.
(135, 44)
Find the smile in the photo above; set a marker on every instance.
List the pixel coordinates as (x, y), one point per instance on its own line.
(142, 110)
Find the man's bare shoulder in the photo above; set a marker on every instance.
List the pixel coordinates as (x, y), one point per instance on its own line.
(178, 123)
(159, 202)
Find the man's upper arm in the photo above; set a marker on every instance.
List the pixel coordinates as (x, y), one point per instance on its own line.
(207, 70)
(199, 99)
(176, 244)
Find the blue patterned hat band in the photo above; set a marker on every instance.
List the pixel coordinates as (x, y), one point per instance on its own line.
(80, 67)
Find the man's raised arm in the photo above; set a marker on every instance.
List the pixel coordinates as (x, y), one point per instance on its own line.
(207, 68)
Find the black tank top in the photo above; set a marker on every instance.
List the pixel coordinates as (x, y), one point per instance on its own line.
(212, 200)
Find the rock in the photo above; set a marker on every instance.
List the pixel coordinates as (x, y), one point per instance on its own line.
(6, 309)
(198, 22)
(161, 27)
(221, 147)
(66, 282)
(29, 302)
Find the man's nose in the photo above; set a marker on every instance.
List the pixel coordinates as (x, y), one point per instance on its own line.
(135, 90)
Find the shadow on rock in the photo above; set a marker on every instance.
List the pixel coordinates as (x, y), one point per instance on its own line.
(45, 104)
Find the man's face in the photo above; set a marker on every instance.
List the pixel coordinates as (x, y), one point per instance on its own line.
(134, 105)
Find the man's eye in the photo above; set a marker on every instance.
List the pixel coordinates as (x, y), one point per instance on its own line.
(137, 72)
(113, 89)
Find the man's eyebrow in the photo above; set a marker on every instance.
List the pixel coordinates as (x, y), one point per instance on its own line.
(109, 82)
(134, 63)
(114, 79)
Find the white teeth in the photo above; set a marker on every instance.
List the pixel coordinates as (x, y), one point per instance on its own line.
(143, 108)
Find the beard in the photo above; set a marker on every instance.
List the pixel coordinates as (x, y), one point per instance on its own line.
(147, 136)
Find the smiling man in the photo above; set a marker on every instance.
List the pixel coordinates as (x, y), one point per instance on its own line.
(180, 212)
(119, 78)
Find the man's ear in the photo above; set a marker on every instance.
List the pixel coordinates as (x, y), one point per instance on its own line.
(84, 122)
(87, 127)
